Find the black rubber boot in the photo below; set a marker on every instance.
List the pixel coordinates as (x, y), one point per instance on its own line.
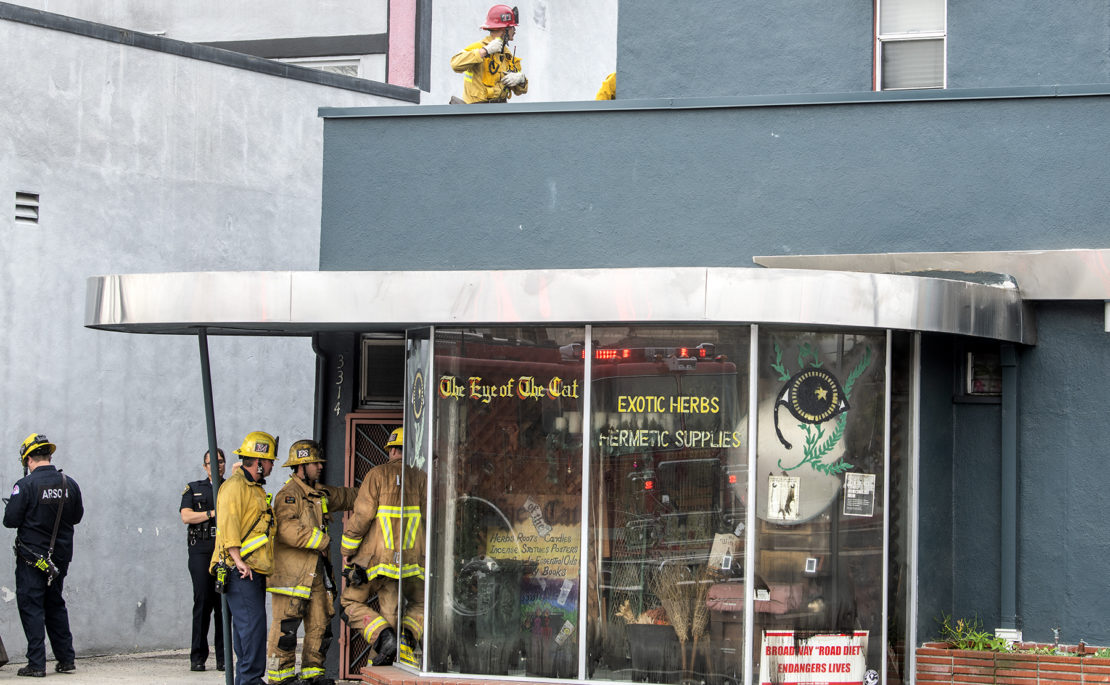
(386, 647)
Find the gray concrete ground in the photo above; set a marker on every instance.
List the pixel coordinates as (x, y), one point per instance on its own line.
(152, 668)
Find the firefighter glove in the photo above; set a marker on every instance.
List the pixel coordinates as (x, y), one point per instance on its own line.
(513, 79)
(494, 45)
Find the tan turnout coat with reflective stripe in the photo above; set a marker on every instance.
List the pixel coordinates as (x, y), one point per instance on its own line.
(383, 534)
(302, 534)
(482, 75)
(241, 503)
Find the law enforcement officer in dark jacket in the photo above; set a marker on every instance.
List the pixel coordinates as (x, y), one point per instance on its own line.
(198, 512)
(44, 507)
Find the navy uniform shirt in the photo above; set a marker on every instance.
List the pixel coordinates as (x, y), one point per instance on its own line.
(33, 509)
(198, 497)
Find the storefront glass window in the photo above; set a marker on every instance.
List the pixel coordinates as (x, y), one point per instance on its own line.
(820, 482)
(902, 400)
(668, 482)
(410, 536)
(507, 484)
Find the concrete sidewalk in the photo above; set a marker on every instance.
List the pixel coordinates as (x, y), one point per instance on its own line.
(151, 668)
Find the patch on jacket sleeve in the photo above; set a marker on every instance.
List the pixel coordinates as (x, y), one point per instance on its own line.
(290, 500)
(15, 490)
(185, 490)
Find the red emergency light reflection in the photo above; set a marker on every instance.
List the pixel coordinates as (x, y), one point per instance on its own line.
(649, 485)
(609, 355)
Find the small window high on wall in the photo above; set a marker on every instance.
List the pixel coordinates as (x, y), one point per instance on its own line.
(910, 44)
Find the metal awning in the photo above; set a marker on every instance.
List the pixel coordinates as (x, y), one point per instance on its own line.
(295, 303)
(1078, 274)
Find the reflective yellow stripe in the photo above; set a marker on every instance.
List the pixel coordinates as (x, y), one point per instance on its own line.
(324, 508)
(414, 627)
(253, 544)
(387, 515)
(412, 522)
(311, 672)
(279, 676)
(467, 77)
(378, 622)
(391, 571)
(351, 544)
(299, 591)
(316, 540)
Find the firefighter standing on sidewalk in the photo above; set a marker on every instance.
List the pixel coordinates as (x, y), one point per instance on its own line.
(383, 547)
(490, 72)
(44, 507)
(244, 553)
(302, 583)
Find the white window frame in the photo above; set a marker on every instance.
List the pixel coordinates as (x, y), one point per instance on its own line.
(881, 39)
(321, 63)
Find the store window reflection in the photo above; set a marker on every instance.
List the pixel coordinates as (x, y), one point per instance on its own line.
(507, 487)
(819, 539)
(668, 462)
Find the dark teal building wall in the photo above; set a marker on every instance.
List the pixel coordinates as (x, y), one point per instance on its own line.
(673, 48)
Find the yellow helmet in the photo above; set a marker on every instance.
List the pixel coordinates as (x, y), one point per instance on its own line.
(35, 442)
(304, 452)
(396, 438)
(259, 445)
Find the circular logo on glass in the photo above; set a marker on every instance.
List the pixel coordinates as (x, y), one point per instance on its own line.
(417, 398)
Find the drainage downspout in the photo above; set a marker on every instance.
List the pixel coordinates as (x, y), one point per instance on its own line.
(210, 422)
(321, 381)
(1009, 512)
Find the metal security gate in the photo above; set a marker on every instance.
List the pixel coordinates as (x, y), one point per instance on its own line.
(367, 432)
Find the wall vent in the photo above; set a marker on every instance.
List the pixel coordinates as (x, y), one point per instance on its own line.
(26, 208)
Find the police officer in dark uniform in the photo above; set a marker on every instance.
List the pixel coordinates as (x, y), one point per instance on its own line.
(198, 512)
(44, 507)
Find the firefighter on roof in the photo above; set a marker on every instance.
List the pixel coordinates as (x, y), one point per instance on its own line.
(491, 73)
(302, 584)
(383, 548)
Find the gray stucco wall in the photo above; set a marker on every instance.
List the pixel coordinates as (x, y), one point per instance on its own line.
(143, 161)
(216, 20)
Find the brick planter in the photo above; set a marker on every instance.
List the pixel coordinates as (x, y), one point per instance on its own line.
(936, 663)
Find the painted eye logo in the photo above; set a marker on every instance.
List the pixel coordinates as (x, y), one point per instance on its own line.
(418, 394)
(812, 396)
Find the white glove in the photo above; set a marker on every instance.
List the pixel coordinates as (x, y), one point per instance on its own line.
(494, 46)
(513, 79)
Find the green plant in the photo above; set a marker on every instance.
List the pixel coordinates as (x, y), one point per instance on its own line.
(1103, 653)
(968, 633)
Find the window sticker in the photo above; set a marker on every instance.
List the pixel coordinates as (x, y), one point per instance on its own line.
(782, 498)
(826, 659)
(859, 494)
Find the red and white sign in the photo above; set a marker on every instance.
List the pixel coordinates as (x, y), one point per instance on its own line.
(818, 660)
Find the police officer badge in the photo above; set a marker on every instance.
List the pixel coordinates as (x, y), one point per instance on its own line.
(814, 396)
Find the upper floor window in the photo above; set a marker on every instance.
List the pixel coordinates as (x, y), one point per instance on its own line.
(910, 44)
